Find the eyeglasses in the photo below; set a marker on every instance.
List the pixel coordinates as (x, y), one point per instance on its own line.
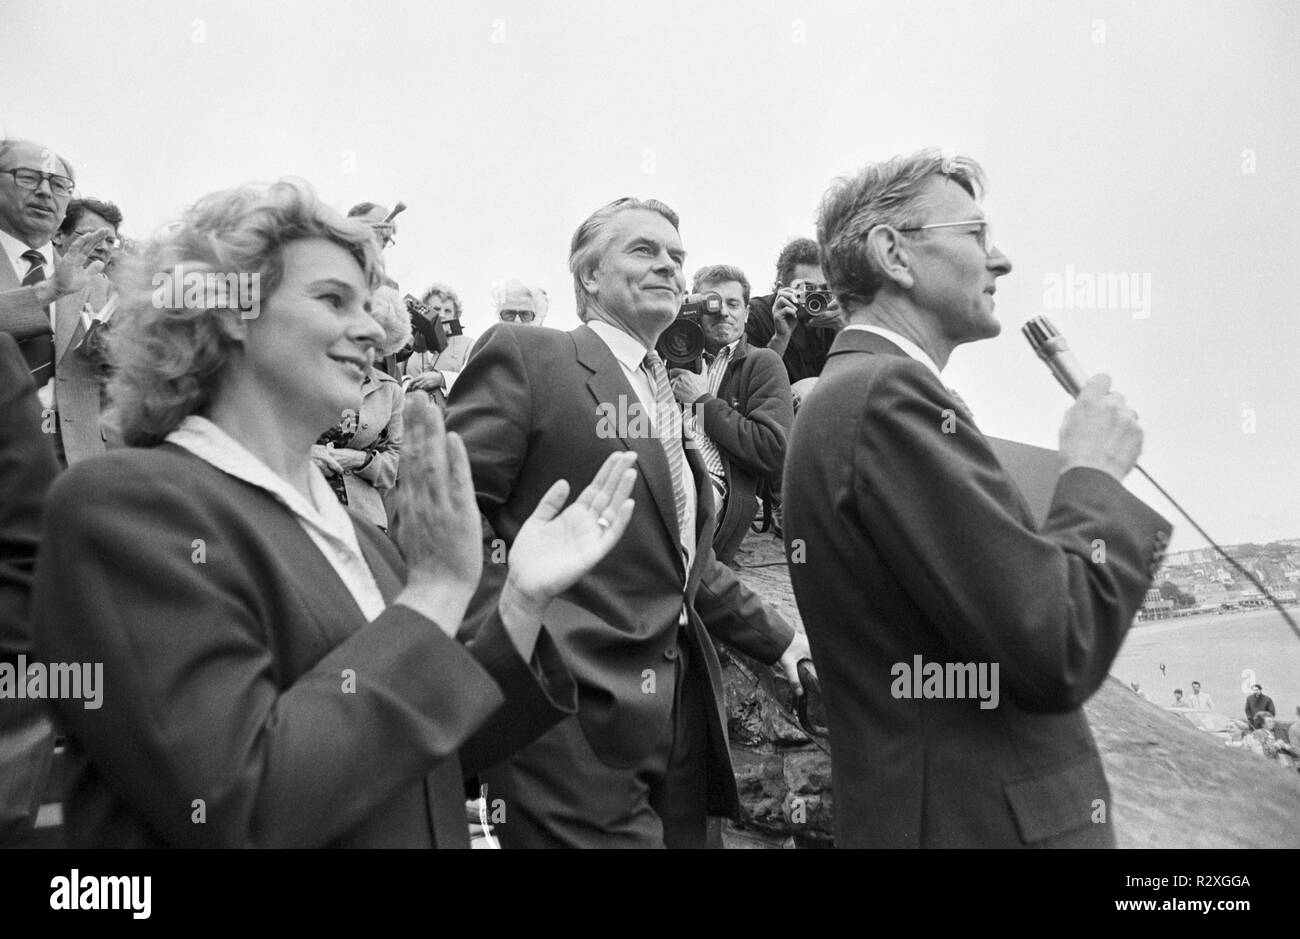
(523, 316)
(983, 231)
(32, 179)
(112, 241)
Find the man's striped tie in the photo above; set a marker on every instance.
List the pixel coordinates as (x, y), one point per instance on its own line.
(37, 350)
(670, 435)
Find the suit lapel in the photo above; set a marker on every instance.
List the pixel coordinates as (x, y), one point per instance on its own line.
(610, 387)
(67, 314)
(703, 490)
(9, 279)
(386, 578)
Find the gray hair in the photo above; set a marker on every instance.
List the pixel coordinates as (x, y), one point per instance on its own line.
(389, 311)
(885, 193)
(9, 143)
(506, 285)
(592, 239)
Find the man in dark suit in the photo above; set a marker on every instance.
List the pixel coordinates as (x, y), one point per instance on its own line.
(956, 640)
(27, 467)
(42, 298)
(645, 760)
(739, 408)
(1258, 703)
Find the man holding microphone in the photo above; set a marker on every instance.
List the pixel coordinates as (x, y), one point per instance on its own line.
(918, 557)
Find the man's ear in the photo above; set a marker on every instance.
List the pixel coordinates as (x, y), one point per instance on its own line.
(238, 328)
(889, 255)
(589, 279)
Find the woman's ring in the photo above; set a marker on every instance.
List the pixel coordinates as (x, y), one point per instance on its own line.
(603, 523)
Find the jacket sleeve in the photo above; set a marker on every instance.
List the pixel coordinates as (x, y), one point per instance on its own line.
(734, 614)
(755, 438)
(1051, 607)
(381, 472)
(194, 711)
(27, 469)
(21, 315)
(760, 326)
(538, 694)
(491, 410)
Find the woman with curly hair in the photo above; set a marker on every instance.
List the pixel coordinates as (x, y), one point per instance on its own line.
(274, 672)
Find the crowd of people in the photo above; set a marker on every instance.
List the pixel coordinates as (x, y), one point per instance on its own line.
(327, 551)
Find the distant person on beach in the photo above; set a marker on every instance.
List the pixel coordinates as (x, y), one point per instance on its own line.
(1293, 732)
(1178, 701)
(1199, 700)
(1137, 690)
(1258, 704)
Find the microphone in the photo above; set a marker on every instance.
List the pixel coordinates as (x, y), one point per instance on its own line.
(397, 210)
(1047, 341)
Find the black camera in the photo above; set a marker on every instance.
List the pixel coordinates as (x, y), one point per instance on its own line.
(682, 344)
(429, 327)
(816, 301)
(809, 302)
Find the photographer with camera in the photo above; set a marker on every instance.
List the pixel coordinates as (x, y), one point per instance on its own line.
(432, 370)
(800, 320)
(738, 409)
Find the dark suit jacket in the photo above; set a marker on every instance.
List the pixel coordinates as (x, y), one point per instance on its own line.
(27, 467)
(78, 378)
(225, 674)
(749, 420)
(905, 540)
(1255, 703)
(527, 404)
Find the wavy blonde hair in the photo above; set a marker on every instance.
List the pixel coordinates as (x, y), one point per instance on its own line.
(167, 359)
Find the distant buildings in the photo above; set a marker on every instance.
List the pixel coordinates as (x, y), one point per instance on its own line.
(1215, 585)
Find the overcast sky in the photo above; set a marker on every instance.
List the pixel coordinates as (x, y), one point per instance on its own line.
(1158, 140)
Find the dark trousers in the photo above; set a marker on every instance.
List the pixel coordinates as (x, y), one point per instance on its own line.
(558, 794)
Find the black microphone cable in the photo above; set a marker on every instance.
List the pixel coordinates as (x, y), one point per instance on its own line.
(1051, 347)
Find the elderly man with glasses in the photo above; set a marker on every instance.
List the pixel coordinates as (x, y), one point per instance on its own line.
(957, 640)
(44, 292)
(515, 302)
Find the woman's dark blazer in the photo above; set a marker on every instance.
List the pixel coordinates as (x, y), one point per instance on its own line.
(245, 699)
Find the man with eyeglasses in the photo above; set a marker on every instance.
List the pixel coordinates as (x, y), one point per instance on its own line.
(43, 293)
(956, 639)
(515, 302)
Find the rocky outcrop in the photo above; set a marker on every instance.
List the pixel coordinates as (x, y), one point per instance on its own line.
(1172, 786)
